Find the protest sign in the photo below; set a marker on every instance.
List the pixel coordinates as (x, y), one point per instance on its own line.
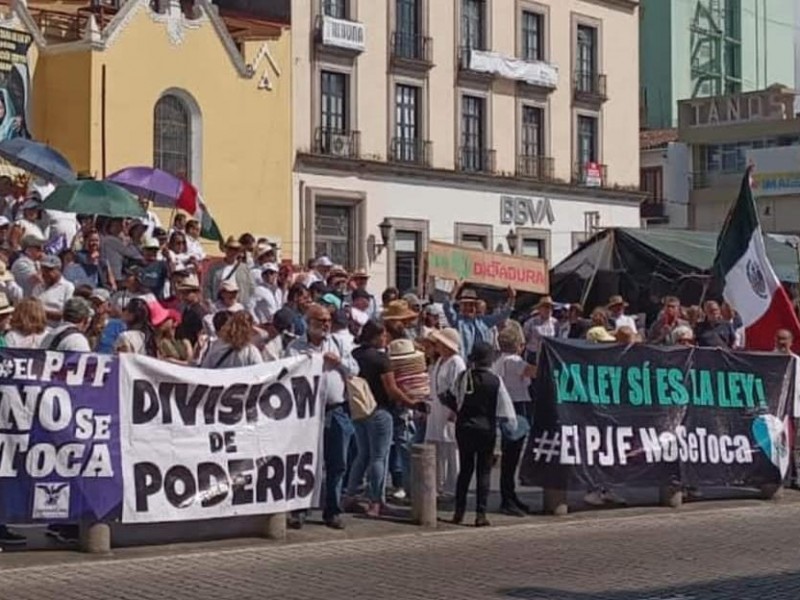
(611, 415)
(487, 268)
(201, 444)
(59, 437)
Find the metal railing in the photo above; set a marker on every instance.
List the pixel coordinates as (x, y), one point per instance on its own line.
(583, 175)
(476, 160)
(337, 142)
(411, 151)
(589, 85)
(412, 46)
(535, 167)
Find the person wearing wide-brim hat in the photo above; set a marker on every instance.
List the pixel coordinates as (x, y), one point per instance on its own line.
(395, 316)
(616, 312)
(472, 327)
(440, 427)
(232, 268)
(541, 325)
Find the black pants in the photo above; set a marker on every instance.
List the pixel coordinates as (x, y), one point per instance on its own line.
(512, 451)
(475, 453)
(508, 470)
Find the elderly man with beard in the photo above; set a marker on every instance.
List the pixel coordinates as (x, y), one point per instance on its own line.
(338, 366)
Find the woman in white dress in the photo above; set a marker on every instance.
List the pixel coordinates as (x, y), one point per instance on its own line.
(440, 428)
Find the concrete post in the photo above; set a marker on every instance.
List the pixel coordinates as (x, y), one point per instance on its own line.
(423, 485)
(771, 491)
(670, 496)
(95, 538)
(275, 527)
(555, 502)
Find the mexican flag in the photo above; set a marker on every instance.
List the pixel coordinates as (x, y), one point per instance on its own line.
(750, 284)
(191, 202)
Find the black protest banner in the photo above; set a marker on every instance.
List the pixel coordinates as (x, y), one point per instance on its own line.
(611, 415)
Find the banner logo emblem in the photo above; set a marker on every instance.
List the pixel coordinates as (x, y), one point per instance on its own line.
(51, 501)
(756, 279)
(772, 436)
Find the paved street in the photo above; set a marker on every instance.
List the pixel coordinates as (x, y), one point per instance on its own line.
(706, 551)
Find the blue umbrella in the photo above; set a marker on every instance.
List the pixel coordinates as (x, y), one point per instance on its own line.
(38, 159)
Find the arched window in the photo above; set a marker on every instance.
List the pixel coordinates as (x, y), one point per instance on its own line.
(172, 136)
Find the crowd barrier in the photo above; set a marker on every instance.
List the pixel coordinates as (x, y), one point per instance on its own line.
(103, 440)
(611, 417)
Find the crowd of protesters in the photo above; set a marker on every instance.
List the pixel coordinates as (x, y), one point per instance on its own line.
(131, 286)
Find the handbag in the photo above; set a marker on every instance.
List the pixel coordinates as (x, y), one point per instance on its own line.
(360, 398)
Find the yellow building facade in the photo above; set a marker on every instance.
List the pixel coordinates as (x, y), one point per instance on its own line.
(180, 87)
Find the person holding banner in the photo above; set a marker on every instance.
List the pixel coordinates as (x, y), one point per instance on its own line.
(338, 365)
(472, 327)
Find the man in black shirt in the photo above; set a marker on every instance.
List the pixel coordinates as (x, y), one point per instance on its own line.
(193, 312)
(714, 331)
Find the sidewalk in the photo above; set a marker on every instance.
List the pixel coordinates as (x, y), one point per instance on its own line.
(43, 552)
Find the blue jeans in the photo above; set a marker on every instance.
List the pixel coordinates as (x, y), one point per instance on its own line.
(400, 454)
(338, 431)
(373, 439)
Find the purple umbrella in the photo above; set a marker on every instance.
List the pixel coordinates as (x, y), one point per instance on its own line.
(161, 187)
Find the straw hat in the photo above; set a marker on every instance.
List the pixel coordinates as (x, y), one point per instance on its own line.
(448, 337)
(232, 243)
(360, 274)
(544, 301)
(468, 296)
(410, 370)
(599, 334)
(616, 300)
(190, 283)
(5, 305)
(397, 310)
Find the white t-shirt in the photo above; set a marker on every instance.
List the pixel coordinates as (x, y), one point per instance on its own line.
(220, 356)
(75, 342)
(14, 339)
(131, 341)
(625, 321)
(194, 248)
(265, 302)
(511, 369)
(54, 297)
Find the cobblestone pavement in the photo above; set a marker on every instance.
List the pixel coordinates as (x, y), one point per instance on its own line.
(741, 553)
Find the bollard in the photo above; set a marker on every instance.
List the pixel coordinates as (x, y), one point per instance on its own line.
(555, 502)
(275, 527)
(771, 491)
(95, 538)
(423, 485)
(670, 496)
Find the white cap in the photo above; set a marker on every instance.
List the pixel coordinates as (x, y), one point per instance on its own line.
(270, 267)
(4, 221)
(324, 261)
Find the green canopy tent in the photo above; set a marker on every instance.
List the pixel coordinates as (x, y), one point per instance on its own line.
(644, 265)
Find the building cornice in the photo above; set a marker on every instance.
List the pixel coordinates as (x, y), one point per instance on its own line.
(626, 5)
(376, 168)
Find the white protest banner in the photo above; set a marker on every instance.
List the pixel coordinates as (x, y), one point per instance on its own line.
(202, 444)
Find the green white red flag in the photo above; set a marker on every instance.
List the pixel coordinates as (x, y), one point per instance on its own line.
(751, 286)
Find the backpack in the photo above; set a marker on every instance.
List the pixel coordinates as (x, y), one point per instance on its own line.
(360, 398)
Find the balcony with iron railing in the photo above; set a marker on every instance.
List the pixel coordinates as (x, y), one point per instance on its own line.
(337, 142)
(588, 86)
(476, 160)
(540, 168)
(410, 151)
(589, 174)
(412, 50)
(336, 31)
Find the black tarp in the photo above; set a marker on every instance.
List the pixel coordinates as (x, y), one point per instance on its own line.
(646, 265)
(272, 10)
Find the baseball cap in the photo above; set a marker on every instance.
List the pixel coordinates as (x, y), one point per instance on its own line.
(101, 294)
(229, 285)
(50, 262)
(32, 241)
(270, 267)
(324, 261)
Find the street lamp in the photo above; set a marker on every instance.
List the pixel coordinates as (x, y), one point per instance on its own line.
(511, 240)
(374, 249)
